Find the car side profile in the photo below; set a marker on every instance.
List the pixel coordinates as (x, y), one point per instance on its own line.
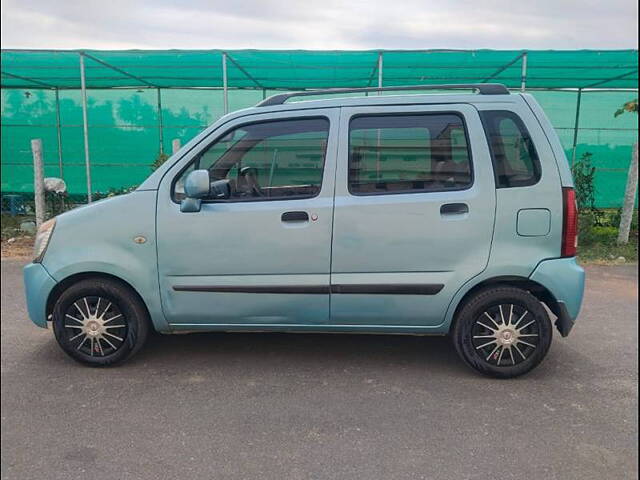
(429, 214)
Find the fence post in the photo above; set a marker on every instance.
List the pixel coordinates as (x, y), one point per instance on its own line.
(575, 129)
(523, 75)
(629, 199)
(38, 180)
(85, 126)
(160, 123)
(225, 83)
(175, 145)
(59, 133)
(380, 72)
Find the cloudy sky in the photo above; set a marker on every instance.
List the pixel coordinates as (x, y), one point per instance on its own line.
(325, 24)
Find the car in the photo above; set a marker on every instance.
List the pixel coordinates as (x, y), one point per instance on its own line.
(389, 211)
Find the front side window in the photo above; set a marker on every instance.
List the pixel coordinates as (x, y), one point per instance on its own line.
(515, 161)
(266, 161)
(407, 154)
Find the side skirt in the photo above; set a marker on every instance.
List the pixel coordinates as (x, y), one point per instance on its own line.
(438, 330)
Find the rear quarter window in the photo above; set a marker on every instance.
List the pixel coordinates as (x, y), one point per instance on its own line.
(514, 157)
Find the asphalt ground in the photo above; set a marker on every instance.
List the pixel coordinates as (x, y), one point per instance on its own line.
(315, 406)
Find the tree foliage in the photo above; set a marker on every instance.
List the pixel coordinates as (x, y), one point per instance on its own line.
(631, 106)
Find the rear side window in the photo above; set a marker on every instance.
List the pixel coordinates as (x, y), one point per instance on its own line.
(515, 161)
(408, 153)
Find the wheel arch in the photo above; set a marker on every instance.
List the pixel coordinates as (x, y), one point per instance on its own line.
(542, 293)
(61, 286)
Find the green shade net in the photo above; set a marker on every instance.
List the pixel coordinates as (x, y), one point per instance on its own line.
(124, 126)
(294, 69)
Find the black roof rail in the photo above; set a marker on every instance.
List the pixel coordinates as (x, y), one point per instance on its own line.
(481, 88)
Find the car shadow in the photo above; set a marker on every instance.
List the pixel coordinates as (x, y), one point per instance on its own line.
(293, 353)
(336, 350)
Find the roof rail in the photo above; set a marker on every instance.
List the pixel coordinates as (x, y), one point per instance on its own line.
(481, 88)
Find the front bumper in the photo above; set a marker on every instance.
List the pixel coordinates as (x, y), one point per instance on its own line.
(564, 278)
(37, 286)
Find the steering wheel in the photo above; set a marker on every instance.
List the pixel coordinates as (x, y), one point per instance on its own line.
(250, 178)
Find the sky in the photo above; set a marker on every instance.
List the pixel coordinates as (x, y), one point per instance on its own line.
(326, 24)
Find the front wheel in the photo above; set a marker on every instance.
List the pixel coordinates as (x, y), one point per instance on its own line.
(100, 322)
(502, 332)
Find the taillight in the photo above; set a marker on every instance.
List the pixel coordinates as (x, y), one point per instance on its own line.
(570, 223)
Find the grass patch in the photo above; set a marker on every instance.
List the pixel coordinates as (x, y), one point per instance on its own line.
(608, 253)
(14, 242)
(598, 235)
(11, 225)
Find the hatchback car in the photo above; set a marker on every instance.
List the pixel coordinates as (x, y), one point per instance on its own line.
(428, 214)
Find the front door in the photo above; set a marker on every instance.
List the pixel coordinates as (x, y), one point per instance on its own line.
(414, 213)
(261, 257)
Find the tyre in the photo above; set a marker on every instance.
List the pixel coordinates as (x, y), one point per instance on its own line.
(502, 332)
(100, 322)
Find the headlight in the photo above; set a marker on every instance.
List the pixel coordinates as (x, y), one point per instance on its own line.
(42, 239)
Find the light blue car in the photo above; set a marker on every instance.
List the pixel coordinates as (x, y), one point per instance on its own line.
(409, 213)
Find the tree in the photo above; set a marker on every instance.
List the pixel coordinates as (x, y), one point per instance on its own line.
(632, 181)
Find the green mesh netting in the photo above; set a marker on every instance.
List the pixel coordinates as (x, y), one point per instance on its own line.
(319, 69)
(124, 128)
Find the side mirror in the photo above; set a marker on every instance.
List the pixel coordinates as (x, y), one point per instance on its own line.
(196, 187)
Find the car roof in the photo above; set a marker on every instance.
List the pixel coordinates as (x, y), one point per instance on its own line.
(378, 100)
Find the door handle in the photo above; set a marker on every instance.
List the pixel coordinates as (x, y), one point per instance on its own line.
(454, 209)
(295, 217)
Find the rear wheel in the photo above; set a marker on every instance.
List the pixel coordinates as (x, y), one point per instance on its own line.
(100, 322)
(502, 332)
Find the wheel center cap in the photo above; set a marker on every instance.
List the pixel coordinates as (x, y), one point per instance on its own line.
(507, 336)
(93, 328)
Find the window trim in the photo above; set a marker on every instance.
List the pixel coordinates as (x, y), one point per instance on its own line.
(458, 114)
(245, 124)
(522, 127)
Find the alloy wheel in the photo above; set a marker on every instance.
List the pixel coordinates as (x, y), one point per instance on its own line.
(505, 335)
(95, 326)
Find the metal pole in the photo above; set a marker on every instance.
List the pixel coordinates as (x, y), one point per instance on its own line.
(380, 77)
(225, 87)
(59, 133)
(160, 126)
(85, 126)
(523, 85)
(575, 128)
(38, 180)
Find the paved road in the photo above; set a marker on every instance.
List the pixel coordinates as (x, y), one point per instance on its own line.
(277, 406)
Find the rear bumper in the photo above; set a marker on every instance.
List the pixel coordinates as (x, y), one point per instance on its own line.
(564, 278)
(37, 286)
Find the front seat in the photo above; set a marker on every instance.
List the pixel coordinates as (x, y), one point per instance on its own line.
(248, 182)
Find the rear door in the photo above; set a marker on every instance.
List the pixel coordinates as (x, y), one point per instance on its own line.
(414, 212)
